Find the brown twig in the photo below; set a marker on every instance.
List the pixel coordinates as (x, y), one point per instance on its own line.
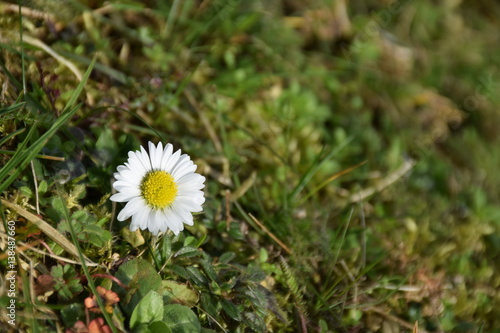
(395, 319)
(384, 183)
(273, 236)
(47, 229)
(28, 12)
(111, 277)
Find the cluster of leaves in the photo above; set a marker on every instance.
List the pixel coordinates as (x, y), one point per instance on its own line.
(224, 295)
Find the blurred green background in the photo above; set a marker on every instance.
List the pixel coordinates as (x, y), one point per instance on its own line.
(362, 134)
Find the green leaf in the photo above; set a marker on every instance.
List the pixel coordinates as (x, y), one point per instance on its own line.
(255, 275)
(189, 241)
(159, 327)
(97, 235)
(166, 249)
(201, 240)
(142, 328)
(254, 322)
(231, 309)
(42, 187)
(323, 326)
(179, 270)
(79, 216)
(186, 252)
(148, 310)
(67, 284)
(209, 270)
(209, 304)
(72, 313)
(235, 231)
(196, 276)
(227, 257)
(175, 292)
(141, 278)
(180, 319)
(26, 191)
(263, 255)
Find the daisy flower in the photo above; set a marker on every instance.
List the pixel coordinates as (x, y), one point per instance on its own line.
(161, 189)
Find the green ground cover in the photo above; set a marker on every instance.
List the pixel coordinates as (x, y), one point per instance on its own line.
(350, 150)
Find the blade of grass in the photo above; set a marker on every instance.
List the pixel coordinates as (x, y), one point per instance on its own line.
(11, 108)
(23, 157)
(80, 86)
(172, 15)
(86, 271)
(11, 77)
(46, 157)
(16, 159)
(47, 229)
(329, 180)
(336, 256)
(111, 72)
(11, 135)
(385, 298)
(316, 165)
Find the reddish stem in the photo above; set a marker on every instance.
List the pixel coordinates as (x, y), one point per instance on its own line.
(106, 276)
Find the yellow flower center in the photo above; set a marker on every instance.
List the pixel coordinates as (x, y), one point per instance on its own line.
(159, 189)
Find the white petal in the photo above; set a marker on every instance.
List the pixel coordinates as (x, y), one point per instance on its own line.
(168, 223)
(140, 219)
(145, 219)
(199, 200)
(185, 215)
(155, 154)
(129, 177)
(132, 207)
(188, 204)
(174, 222)
(144, 158)
(188, 169)
(118, 177)
(172, 161)
(188, 191)
(156, 222)
(159, 155)
(134, 163)
(163, 226)
(192, 181)
(126, 195)
(167, 153)
(182, 163)
(122, 186)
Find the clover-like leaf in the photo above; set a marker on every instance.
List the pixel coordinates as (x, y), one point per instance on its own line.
(148, 310)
